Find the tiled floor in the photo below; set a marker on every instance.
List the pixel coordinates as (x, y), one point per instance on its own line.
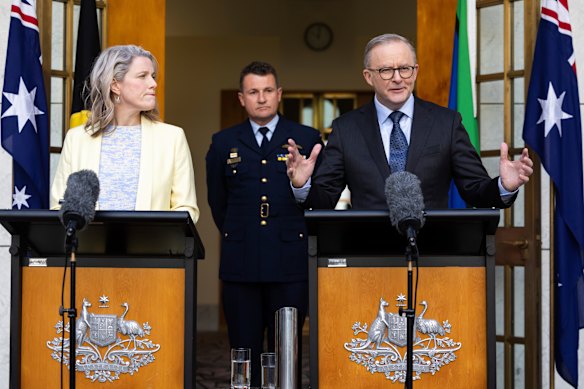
(213, 360)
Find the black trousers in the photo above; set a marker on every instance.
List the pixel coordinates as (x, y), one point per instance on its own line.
(250, 309)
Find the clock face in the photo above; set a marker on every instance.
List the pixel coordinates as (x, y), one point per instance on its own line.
(318, 36)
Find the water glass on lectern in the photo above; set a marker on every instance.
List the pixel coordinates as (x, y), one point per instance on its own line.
(268, 370)
(240, 368)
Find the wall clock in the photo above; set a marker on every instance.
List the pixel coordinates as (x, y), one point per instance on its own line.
(318, 36)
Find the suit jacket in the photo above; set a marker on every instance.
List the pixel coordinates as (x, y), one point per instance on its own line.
(263, 234)
(167, 178)
(439, 151)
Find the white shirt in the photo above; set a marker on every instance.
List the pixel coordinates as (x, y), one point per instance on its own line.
(271, 126)
(386, 124)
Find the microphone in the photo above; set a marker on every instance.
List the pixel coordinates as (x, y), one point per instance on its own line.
(403, 194)
(78, 206)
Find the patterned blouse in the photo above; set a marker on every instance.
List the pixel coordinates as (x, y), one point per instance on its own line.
(119, 168)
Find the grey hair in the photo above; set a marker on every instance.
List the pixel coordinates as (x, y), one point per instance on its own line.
(112, 64)
(383, 39)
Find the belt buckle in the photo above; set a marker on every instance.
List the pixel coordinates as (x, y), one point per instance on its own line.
(264, 210)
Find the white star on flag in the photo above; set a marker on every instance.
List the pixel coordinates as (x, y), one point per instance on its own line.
(19, 197)
(551, 111)
(23, 106)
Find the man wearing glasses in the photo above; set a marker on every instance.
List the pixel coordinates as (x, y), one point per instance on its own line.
(398, 131)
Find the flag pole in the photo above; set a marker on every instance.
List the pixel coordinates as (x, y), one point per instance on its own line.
(552, 288)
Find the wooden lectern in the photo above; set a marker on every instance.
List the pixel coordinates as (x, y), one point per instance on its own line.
(358, 280)
(136, 299)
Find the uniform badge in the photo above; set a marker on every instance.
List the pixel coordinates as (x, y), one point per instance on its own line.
(234, 158)
(283, 157)
(382, 348)
(285, 146)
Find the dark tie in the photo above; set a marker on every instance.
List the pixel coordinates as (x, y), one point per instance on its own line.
(398, 145)
(265, 141)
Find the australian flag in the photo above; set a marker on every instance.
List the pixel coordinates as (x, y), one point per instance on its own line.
(553, 129)
(24, 121)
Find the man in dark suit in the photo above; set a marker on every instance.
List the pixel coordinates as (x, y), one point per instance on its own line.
(397, 132)
(264, 260)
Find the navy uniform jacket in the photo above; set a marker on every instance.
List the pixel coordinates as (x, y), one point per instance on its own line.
(263, 234)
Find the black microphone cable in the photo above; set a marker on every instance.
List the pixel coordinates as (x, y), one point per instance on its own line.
(62, 313)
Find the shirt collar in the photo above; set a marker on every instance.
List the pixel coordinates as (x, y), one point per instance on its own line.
(383, 112)
(271, 125)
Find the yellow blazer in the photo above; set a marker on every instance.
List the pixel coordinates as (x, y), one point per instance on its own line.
(167, 178)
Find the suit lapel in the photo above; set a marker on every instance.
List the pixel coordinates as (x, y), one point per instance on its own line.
(247, 137)
(92, 158)
(280, 136)
(369, 127)
(421, 128)
(147, 166)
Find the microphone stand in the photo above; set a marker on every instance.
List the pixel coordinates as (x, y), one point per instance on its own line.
(411, 255)
(71, 245)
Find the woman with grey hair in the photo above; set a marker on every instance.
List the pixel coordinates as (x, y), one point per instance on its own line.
(142, 163)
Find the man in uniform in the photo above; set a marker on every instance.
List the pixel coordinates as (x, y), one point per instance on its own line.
(264, 260)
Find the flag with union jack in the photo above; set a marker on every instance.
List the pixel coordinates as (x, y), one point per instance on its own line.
(553, 129)
(24, 121)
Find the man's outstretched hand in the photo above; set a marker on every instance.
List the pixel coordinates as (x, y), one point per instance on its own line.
(514, 173)
(299, 168)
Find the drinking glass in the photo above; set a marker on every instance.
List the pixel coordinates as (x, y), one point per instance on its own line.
(268, 370)
(240, 368)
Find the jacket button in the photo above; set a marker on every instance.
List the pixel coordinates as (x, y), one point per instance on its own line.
(264, 180)
(301, 235)
(264, 198)
(226, 235)
(264, 162)
(263, 223)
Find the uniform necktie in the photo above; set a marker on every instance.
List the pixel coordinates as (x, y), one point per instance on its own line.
(398, 145)
(265, 141)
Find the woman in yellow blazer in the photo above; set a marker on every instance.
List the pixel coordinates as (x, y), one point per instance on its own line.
(142, 163)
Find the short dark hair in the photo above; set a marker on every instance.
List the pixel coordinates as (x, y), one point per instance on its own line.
(260, 69)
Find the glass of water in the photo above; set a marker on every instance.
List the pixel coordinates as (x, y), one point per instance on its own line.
(240, 368)
(268, 370)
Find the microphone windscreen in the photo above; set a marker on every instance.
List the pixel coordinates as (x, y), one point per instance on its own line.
(403, 193)
(80, 198)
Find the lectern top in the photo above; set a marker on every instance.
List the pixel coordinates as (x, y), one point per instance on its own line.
(162, 233)
(450, 231)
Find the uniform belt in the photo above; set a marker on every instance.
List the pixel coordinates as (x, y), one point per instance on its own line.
(264, 210)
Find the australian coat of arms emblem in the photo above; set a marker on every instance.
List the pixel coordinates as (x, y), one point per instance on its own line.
(382, 347)
(106, 345)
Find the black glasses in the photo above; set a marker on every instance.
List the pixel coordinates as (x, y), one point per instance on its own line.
(388, 73)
